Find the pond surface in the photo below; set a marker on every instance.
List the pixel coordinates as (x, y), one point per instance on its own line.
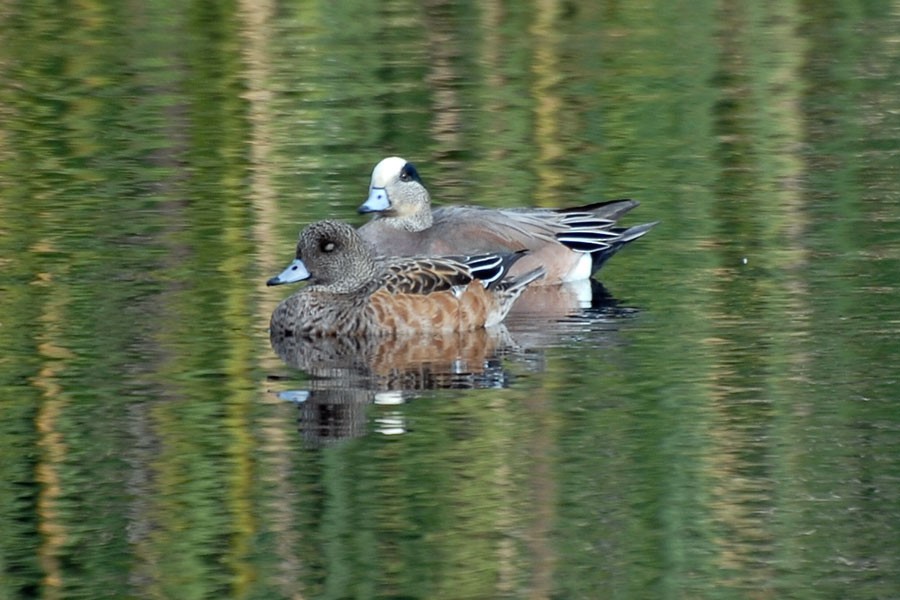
(723, 423)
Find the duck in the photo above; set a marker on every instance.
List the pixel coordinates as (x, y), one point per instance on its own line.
(571, 244)
(351, 292)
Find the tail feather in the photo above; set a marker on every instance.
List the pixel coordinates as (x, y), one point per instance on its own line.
(492, 268)
(519, 283)
(590, 229)
(588, 240)
(633, 233)
(585, 220)
(611, 210)
(509, 290)
(626, 236)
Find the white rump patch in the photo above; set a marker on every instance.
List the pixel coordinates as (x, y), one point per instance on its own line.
(581, 270)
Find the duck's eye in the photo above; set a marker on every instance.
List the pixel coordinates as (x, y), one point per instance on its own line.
(328, 246)
(409, 173)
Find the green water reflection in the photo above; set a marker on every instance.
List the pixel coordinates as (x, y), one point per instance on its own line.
(729, 431)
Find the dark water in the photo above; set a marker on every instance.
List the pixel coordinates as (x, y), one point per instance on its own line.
(724, 425)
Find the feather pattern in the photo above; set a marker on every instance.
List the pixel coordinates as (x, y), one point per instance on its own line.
(351, 293)
(423, 275)
(404, 224)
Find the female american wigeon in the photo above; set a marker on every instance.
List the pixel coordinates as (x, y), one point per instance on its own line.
(570, 243)
(351, 293)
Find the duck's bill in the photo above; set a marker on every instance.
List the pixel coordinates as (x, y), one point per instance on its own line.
(296, 271)
(377, 201)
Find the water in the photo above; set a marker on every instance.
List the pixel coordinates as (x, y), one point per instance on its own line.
(723, 425)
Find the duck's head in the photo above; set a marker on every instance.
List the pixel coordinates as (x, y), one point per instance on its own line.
(329, 253)
(396, 191)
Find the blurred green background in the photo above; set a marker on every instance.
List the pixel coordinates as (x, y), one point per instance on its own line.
(735, 437)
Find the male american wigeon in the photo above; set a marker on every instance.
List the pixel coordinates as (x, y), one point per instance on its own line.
(570, 243)
(352, 293)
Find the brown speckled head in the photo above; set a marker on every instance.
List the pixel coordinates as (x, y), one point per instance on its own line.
(336, 257)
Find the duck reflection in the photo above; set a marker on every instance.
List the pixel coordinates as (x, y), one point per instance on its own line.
(400, 363)
(348, 374)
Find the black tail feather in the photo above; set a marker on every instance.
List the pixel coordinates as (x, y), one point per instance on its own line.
(492, 268)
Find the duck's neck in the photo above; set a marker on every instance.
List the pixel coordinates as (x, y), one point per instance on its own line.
(353, 281)
(350, 287)
(419, 221)
(411, 215)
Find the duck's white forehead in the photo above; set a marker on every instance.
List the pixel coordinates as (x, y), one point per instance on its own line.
(387, 169)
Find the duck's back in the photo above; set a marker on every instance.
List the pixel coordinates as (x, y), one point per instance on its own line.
(462, 230)
(550, 235)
